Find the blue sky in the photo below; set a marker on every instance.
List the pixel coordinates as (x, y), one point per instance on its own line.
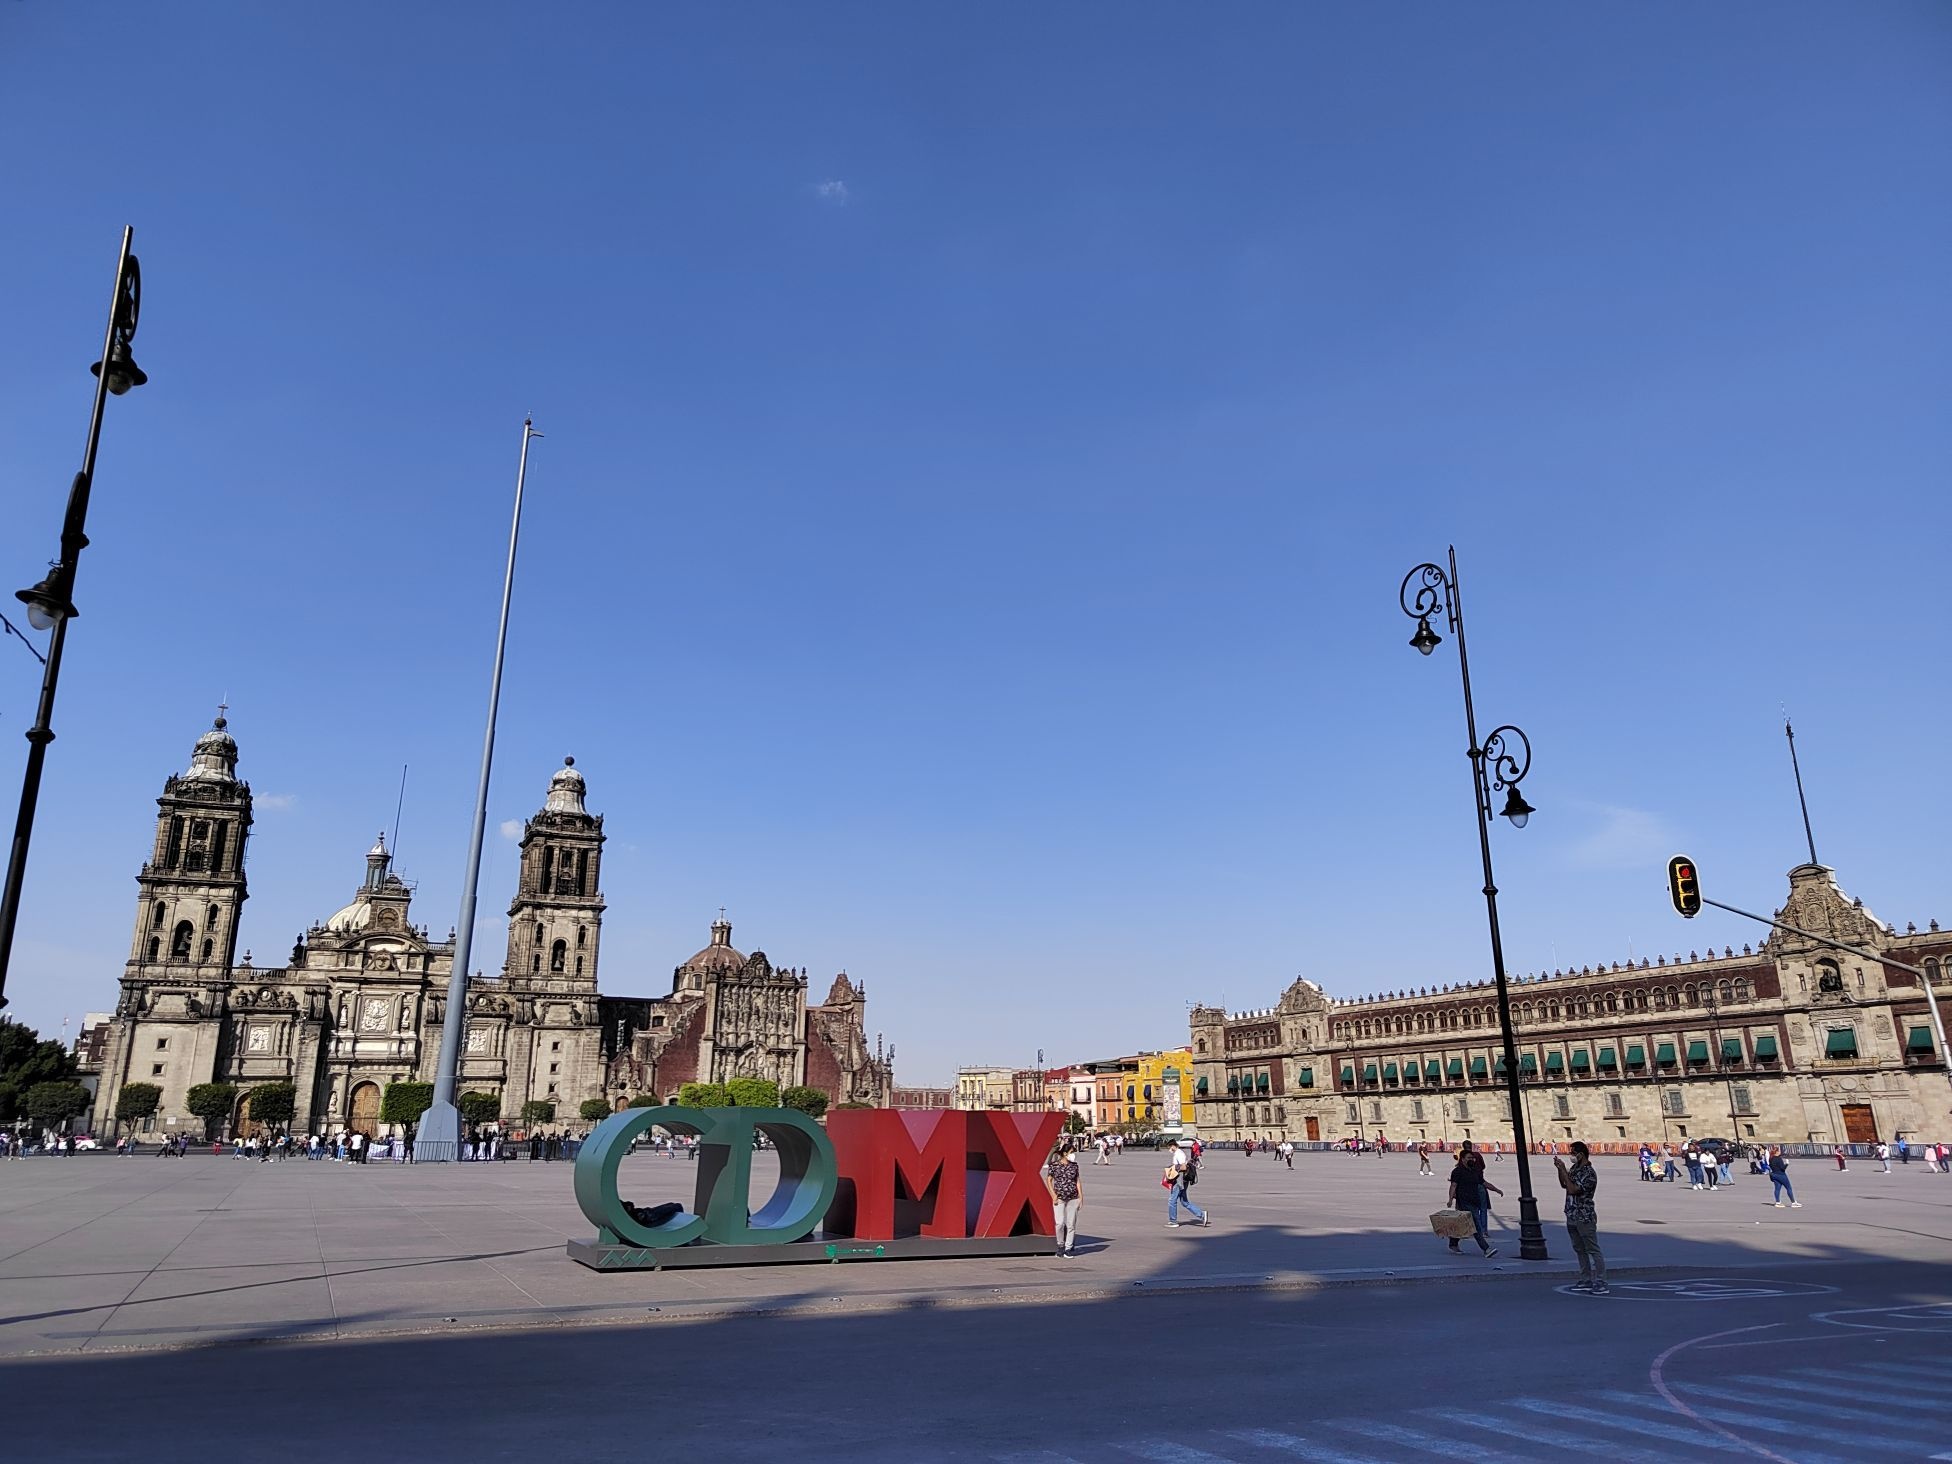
(983, 448)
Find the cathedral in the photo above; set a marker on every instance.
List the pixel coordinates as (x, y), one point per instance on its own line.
(361, 1001)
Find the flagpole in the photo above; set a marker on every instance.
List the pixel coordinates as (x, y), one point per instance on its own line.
(439, 1136)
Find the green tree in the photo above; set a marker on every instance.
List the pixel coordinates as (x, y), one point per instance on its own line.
(852, 1103)
(26, 1060)
(211, 1102)
(403, 1103)
(274, 1103)
(810, 1101)
(593, 1110)
(538, 1110)
(704, 1095)
(51, 1104)
(753, 1093)
(1075, 1124)
(478, 1109)
(137, 1101)
(647, 1100)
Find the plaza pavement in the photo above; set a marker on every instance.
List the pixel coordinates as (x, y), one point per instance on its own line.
(100, 1254)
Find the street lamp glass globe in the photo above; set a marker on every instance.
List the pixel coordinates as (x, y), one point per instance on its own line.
(46, 606)
(123, 372)
(1425, 640)
(1517, 809)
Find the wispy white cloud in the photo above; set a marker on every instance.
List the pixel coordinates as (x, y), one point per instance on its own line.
(276, 802)
(1621, 838)
(833, 191)
(511, 829)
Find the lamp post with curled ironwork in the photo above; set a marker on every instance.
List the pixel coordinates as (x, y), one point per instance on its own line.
(1498, 765)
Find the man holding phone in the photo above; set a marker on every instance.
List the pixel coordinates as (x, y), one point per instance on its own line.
(1582, 1220)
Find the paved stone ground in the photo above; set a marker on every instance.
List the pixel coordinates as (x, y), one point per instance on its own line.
(100, 1254)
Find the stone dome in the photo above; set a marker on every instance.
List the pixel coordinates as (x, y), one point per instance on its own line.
(566, 789)
(214, 759)
(356, 916)
(719, 955)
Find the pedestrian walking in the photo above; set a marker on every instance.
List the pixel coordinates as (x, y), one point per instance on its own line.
(1884, 1156)
(1839, 1151)
(1779, 1179)
(1067, 1194)
(1182, 1172)
(1582, 1219)
(1467, 1193)
(1423, 1158)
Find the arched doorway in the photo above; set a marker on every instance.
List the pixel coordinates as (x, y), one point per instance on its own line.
(366, 1110)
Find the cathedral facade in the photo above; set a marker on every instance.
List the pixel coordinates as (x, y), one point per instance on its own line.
(731, 1015)
(1791, 1041)
(361, 1001)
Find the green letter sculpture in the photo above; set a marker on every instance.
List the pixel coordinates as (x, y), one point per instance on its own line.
(721, 1206)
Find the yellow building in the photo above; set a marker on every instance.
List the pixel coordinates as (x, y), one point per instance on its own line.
(1149, 1085)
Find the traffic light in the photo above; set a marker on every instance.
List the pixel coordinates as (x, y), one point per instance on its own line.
(1682, 885)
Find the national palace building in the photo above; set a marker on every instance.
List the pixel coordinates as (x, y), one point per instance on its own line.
(1791, 1042)
(360, 1002)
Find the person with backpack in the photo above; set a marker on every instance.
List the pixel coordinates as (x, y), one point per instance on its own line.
(1779, 1179)
(1182, 1172)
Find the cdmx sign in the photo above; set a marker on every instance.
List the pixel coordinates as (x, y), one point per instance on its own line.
(911, 1183)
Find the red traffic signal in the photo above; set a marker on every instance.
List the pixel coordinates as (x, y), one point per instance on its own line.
(1682, 885)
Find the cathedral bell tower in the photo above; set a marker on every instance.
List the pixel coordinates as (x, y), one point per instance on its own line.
(189, 895)
(556, 917)
(554, 924)
(192, 890)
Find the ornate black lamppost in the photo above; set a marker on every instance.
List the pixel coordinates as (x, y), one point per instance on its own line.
(50, 604)
(1498, 765)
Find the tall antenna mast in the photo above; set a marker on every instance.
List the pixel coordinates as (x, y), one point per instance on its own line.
(1801, 801)
(400, 804)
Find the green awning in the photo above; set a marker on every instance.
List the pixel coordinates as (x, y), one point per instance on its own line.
(1920, 1040)
(1261, 1081)
(1664, 1054)
(1697, 1052)
(1389, 1072)
(1842, 1043)
(1731, 1049)
(1306, 1078)
(1555, 1062)
(1410, 1073)
(1433, 1070)
(1501, 1065)
(1348, 1077)
(1369, 1073)
(1456, 1068)
(1636, 1056)
(1582, 1060)
(1765, 1047)
(1607, 1062)
(1477, 1066)
(1233, 1083)
(1528, 1064)
(1199, 1086)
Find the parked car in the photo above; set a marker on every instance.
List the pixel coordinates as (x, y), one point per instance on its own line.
(85, 1141)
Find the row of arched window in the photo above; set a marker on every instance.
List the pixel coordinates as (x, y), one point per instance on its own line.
(1726, 992)
(183, 937)
(559, 957)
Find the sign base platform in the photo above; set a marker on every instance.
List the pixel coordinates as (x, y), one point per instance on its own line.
(599, 1256)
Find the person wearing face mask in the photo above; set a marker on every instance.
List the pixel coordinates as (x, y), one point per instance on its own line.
(1067, 1194)
(1468, 1188)
(1582, 1221)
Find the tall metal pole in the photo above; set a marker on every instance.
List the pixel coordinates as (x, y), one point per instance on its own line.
(1801, 802)
(73, 540)
(439, 1137)
(1531, 1238)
